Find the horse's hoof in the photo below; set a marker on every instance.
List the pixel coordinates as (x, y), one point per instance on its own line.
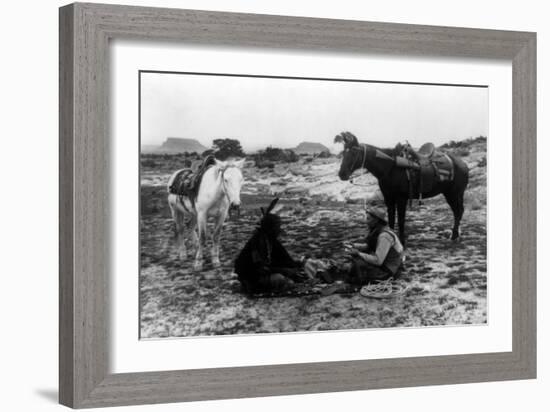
(216, 263)
(183, 255)
(455, 238)
(197, 266)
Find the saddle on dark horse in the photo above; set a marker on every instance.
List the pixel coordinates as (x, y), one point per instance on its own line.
(425, 166)
(187, 182)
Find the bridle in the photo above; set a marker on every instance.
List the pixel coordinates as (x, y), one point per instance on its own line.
(363, 163)
(224, 188)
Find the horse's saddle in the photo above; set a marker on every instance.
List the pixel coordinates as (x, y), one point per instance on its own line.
(427, 164)
(426, 151)
(187, 182)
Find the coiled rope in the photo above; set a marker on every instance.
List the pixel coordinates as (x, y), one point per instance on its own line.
(383, 289)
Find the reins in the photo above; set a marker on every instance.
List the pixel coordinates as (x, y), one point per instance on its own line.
(224, 188)
(362, 173)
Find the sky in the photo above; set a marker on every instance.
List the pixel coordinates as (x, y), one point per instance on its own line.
(262, 112)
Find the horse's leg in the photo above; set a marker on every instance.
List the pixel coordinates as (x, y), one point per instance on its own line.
(401, 213)
(192, 229)
(201, 226)
(390, 205)
(180, 227)
(456, 202)
(216, 238)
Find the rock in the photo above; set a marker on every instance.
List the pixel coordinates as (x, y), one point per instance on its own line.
(209, 284)
(295, 190)
(181, 145)
(310, 148)
(280, 171)
(235, 286)
(187, 287)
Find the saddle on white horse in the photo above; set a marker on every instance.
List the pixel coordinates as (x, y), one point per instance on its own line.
(187, 183)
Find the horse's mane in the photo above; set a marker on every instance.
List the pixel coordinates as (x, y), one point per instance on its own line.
(228, 163)
(391, 151)
(232, 162)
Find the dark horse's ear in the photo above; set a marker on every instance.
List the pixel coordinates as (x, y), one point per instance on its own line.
(271, 205)
(347, 138)
(262, 210)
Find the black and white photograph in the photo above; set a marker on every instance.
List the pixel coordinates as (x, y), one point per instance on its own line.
(286, 204)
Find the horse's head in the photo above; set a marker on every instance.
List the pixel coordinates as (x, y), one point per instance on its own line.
(232, 180)
(352, 155)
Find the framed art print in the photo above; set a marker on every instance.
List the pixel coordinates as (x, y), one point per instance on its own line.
(266, 205)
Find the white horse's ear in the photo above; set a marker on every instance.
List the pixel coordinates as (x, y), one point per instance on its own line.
(220, 164)
(239, 163)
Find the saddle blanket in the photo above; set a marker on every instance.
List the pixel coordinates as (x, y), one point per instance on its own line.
(443, 167)
(184, 183)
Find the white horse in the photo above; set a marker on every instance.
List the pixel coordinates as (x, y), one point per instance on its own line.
(220, 188)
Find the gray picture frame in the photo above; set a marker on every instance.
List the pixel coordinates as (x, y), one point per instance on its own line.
(85, 31)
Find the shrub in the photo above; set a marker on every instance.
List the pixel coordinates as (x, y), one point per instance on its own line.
(275, 154)
(226, 148)
(475, 204)
(482, 162)
(480, 139)
(466, 143)
(262, 164)
(148, 163)
(461, 151)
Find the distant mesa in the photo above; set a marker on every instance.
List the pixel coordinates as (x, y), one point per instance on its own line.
(176, 145)
(310, 148)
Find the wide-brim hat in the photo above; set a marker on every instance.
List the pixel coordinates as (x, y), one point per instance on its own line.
(378, 212)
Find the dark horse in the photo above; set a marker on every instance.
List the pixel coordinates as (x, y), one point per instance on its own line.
(394, 183)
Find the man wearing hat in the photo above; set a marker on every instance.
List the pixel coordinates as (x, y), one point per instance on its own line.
(382, 255)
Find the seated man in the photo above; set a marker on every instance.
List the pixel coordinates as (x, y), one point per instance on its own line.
(381, 257)
(264, 265)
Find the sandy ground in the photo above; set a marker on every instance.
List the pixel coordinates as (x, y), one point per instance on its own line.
(446, 281)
